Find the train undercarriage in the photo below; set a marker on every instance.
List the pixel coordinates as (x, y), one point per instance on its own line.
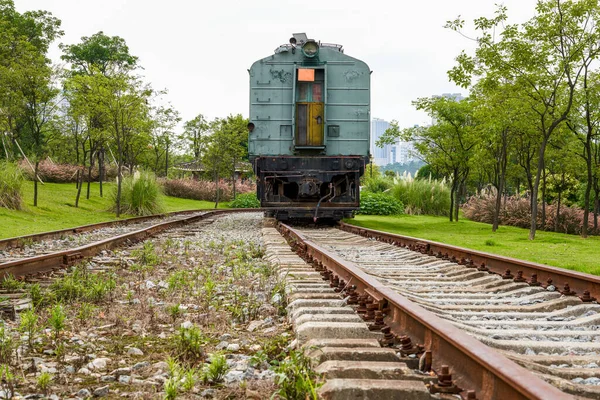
(297, 187)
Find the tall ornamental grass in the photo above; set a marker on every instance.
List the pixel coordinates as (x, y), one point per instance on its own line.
(11, 183)
(203, 189)
(428, 197)
(141, 194)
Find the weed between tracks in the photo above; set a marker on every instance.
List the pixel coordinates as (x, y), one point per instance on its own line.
(175, 317)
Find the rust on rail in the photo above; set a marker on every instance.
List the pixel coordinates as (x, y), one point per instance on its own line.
(578, 282)
(48, 262)
(475, 366)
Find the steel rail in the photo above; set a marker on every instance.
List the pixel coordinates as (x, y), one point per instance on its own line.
(60, 259)
(35, 237)
(578, 282)
(475, 366)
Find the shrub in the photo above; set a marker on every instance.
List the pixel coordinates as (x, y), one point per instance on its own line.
(203, 189)
(11, 182)
(516, 211)
(64, 173)
(429, 197)
(379, 204)
(245, 200)
(140, 195)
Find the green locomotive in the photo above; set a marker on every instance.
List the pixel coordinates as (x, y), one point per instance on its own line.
(309, 129)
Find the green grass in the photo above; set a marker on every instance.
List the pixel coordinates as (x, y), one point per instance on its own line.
(556, 249)
(56, 209)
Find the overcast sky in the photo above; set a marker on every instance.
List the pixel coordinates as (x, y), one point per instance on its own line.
(200, 50)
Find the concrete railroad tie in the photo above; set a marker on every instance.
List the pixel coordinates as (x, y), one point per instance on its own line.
(340, 344)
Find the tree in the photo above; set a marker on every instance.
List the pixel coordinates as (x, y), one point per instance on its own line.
(97, 54)
(447, 145)
(544, 59)
(584, 124)
(225, 148)
(121, 101)
(164, 120)
(194, 133)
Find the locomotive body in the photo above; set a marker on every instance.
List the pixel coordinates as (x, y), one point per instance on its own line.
(309, 129)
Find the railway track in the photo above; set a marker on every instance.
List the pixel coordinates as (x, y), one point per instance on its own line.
(39, 255)
(436, 301)
(428, 320)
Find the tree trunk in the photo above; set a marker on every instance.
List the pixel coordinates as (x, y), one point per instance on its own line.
(596, 211)
(233, 179)
(89, 178)
(496, 220)
(217, 188)
(534, 192)
(556, 223)
(119, 180)
(79, 186)
(35, 183)
(100, 169)
(452, 202)
(167, 161)
(588, 188)
(543, 222)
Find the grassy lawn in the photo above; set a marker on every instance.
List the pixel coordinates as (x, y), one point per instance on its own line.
(56, 209)
(558, 250)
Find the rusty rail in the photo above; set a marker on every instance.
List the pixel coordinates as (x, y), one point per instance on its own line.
(567, 282)
(34, 237)
(475, 366)
(61, 259)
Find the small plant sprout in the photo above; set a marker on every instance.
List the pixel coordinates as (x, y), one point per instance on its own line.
(189, 344)
(171, 388)
(57, 320)
(7, 346)
(175, 311)
(28, 325)
(189, 379)
(43, 382)
(11, 284)
(216, 369)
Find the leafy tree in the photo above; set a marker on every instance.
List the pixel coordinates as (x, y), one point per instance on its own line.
(26, 79)
(584, 123)
(226, 147)
(446, 145)
(195, 132)
(99, 53)
(544, 59)
(164, 120)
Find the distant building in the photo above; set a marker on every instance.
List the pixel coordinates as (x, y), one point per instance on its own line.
(453, 96)
(399, 152)
(381, 155)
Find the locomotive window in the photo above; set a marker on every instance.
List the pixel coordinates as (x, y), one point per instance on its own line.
(306, 75)
(303, 91)
(317, 92)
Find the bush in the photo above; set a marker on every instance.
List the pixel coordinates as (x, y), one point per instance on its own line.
(64, 173)
(516, 211)
(429, 197)
(203, 189)
(245, 200)
(379, 204)
(11, 182)
(140, 195)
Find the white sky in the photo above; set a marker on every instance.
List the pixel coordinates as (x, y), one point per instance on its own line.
(200, 50)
